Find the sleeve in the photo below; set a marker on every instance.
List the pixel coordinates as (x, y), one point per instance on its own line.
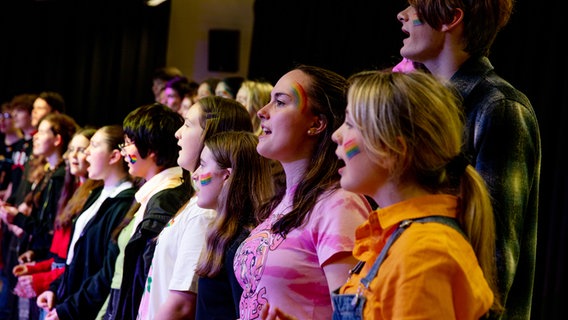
(41, 266)
(190, 245)
(507, 144)
(335, 220)
(42, 280)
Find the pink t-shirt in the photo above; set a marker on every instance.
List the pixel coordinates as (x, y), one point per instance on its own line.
(288, 272)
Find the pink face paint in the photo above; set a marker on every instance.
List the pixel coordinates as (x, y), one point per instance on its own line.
(132, 158)
(351, 149)
(415, 20)
(205, 179)
(300, 95)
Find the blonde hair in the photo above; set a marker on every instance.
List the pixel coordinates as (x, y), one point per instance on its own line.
(416, 120)
(258, 95)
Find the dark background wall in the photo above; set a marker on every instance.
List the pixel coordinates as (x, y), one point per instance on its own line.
(100, 56)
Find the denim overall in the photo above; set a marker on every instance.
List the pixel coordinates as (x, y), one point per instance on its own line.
(350, 306)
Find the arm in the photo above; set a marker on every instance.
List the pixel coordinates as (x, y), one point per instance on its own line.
(178, 305)
(337, 268)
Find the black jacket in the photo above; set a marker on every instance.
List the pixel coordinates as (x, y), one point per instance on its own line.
(140, 248)
(39, 224)
(85, 284)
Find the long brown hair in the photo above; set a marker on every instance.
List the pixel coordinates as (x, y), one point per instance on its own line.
(248, 186)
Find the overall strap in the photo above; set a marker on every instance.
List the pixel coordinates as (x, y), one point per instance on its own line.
(403, 226)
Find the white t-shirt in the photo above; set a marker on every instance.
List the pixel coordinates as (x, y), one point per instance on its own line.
(178, 248)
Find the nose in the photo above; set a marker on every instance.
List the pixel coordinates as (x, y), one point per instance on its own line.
(402, 16)
(261, 113)
(336, 136)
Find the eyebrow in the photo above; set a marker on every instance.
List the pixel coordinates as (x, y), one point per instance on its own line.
(280, 94)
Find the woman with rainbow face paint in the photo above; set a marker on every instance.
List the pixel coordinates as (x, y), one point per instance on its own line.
(407, 158)
(302, 248)
(233, 180)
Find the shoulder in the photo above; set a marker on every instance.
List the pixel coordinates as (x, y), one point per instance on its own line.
(480, 86)
(342, 200)
(170, 199)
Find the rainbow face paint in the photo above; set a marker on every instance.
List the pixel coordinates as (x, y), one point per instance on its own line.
(300, 95)
(205, 179)
(351, 149)
(132, 158)
(415, 20)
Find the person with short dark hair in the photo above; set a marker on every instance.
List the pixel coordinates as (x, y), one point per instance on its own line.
(151, 151)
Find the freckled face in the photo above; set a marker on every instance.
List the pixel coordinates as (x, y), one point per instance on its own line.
(209, 180)
(286, 119)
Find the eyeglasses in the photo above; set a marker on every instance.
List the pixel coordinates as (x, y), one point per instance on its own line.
(121, 146)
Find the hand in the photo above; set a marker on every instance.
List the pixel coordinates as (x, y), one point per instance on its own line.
(24, 208)
(22, 269)
(24, 287)
(45, 300)
(17, 231)
(27, 256)
(7, 213)
(274, 314)
(52, 315)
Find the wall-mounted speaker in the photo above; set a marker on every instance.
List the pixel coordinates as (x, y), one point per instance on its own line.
(224, 48)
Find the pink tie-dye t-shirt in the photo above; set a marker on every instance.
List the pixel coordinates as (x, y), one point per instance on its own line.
(288, 272)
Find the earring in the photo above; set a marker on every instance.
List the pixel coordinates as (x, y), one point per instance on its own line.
(311, 131)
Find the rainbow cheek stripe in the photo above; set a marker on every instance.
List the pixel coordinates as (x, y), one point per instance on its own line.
(416, 21)
(133, 158)
(351, 149)
(205, 179)
(300, 95)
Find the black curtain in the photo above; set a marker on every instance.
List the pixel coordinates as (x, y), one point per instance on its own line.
(99, 55)
(364, 34)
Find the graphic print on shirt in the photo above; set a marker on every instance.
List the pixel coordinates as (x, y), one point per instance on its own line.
(251, 259)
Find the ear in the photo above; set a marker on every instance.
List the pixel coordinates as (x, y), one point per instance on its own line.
(58, 141)
(227, 173)
(456, 20)
(318, 126)
(115, 156)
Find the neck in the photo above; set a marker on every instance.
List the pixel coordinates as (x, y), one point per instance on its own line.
(54, 160)
(115, 180)
(29, 131)
(294, 171)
